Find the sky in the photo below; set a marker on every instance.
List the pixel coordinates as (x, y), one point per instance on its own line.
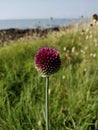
(28, 9)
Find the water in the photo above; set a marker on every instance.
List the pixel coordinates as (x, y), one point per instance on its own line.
(35, 23)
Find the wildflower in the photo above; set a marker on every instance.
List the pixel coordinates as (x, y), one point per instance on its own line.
(91, 25)
(63, 77)
(95, 17)
(69, 55)
(86, 37)
(94, 55)
(49, 91)
(83, 30)
(64, 111)
(94, 21)
(47, 61)
(73, 49)
(39, 123)
(64, 48)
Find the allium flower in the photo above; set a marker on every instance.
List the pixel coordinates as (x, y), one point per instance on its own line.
(95, 16)
(47, 61)
(64, 111)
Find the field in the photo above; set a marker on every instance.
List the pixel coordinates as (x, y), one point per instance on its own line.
(73, 90)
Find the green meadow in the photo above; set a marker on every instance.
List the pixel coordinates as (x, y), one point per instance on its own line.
(73, 90)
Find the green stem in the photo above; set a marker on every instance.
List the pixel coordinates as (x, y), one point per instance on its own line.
(47, 111)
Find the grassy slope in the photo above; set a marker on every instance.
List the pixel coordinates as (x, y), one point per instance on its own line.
(73, 89)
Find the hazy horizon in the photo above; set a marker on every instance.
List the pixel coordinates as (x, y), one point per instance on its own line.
(40, 18)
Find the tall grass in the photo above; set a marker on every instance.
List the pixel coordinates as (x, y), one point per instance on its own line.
(73, 92)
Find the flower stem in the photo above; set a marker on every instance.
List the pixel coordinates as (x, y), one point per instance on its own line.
(47, 111)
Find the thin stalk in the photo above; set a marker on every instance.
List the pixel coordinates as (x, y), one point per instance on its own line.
(47, 111)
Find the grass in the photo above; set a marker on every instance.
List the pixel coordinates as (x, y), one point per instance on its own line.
(73, 92)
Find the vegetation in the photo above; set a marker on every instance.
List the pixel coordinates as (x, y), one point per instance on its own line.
(73, 92)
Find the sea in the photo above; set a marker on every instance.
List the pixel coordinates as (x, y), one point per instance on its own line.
(35, 23)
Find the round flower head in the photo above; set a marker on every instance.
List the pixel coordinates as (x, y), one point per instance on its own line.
(47, 61)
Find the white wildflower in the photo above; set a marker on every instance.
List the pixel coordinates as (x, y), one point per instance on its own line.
(91, 36)
(86, 37)
(39, 123)
(73, 49)
(91, 54)
(94, 55)
(49, 91)
(63, 77)
(64, 48)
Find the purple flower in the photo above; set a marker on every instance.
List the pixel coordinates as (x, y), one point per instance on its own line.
(64, 111)
(47, 61)
(95, 16)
